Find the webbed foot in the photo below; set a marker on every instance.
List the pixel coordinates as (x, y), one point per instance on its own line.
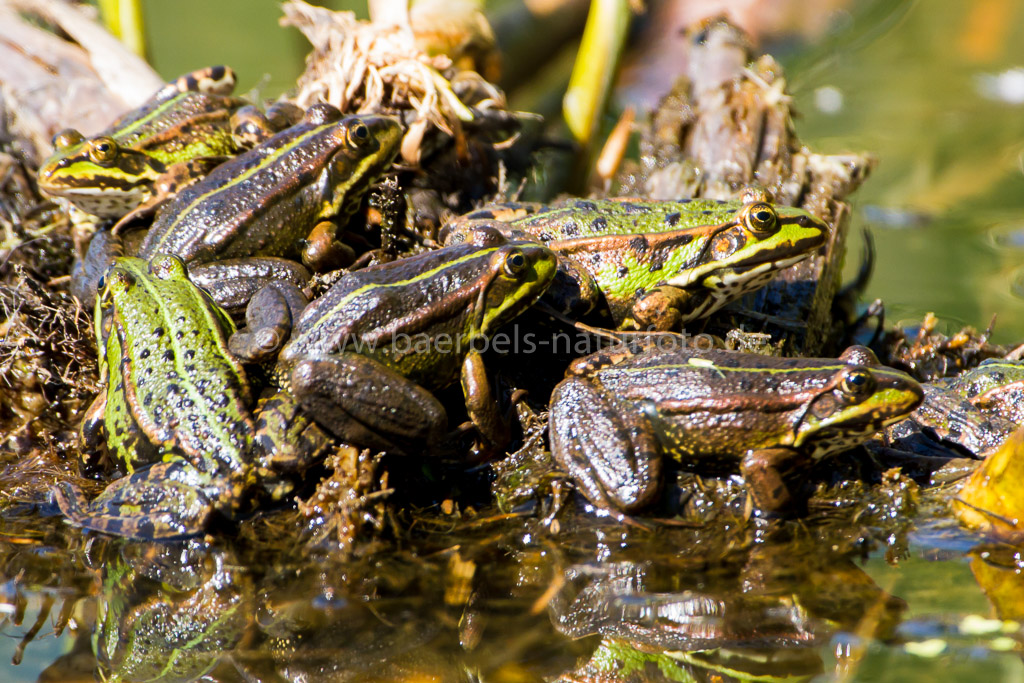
(163, 501)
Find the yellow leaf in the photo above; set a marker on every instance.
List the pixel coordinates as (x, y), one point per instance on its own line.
(992, 500)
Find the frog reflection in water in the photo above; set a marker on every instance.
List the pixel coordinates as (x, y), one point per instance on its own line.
(169, 611)
(615, 417)
(763, 614)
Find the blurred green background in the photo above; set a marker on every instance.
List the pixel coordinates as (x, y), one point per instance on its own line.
(189, 34)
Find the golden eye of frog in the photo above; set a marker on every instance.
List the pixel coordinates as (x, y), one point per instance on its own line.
(613, 422)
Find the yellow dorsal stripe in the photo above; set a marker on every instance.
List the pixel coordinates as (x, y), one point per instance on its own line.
(223, 433)
(704, 364)
(159, 111)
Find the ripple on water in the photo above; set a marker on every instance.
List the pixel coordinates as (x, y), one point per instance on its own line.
(1007, 235)
(1017, 282)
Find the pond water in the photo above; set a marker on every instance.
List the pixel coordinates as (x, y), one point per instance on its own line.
(936, 90)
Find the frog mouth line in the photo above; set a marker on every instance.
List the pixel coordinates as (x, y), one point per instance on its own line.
(121, 189)
(731, 273)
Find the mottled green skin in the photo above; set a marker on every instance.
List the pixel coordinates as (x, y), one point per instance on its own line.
(976, 411)
(170, 372)
(621, 661)
(176, 125)
(363, 357)
(947, 416)
(613, 419)
(168, 612)
(175, 412)
(995, 386)
(706, 248)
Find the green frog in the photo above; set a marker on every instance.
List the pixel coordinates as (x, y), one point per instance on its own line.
(364, 357)
(995, 386)
(233, 227)
(655, 265)
(176, 412)
(974, 412)
(616, 415)
(180, 133)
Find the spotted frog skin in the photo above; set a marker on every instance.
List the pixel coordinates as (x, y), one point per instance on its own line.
(176, 411)
(615, 417)
(655, 264)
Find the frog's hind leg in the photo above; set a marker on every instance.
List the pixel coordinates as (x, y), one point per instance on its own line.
(608, 450)
(163, 501)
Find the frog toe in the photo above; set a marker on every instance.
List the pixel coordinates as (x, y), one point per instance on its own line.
(152, 504)
(269, 316)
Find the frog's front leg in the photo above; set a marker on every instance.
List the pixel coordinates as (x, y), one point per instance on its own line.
(287, 441)
(268, 318)
(233, 282)
(90, 431)
(765, 472)
(362, 401)
(164, 501)
(482, 405)
(324, 251)
(607, 449)
(661, 309)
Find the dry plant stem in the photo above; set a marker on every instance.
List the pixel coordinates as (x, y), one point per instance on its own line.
(123, 72)
(361, 67)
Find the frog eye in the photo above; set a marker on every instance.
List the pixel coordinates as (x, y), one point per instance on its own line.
(66, 138)
(857, 383)
(358, 134)
(102, 150)
(761, 218)
(515, 263)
